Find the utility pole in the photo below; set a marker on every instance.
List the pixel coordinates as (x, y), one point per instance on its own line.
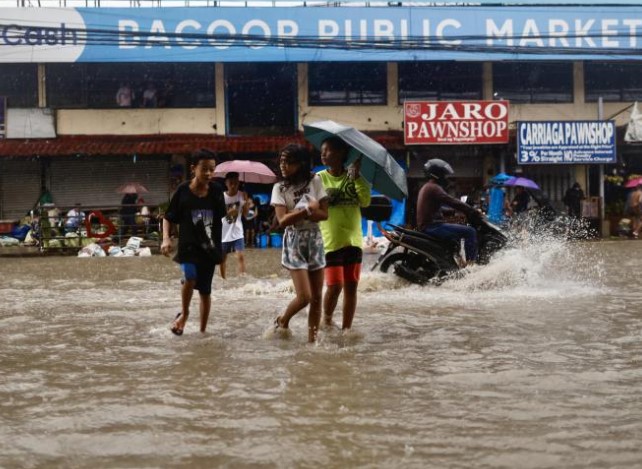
(600, 116)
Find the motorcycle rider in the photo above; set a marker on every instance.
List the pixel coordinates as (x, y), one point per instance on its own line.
(432, 196)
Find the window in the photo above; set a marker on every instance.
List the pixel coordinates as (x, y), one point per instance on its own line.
(436, 81)
(65, 85)
(95, 86)
(612, 81)
(533, 82)
(338, 83)
(261, 98)
(19, 83)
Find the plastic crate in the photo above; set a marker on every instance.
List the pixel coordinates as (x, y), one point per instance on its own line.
(7, 226)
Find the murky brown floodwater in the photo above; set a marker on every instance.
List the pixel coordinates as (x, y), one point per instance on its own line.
(533, 361)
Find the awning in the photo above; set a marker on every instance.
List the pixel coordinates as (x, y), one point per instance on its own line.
(166, 144)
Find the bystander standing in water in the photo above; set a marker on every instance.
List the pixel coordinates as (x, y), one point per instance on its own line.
(128, 208)
(237, 204)
(300, 202)
(573, 200)
(634, 210)
(197, 207)
(520, 201)
(250, 220)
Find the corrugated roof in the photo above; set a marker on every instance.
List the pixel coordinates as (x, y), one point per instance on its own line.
(166, 144)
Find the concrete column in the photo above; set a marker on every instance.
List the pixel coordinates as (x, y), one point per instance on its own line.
(578, 83)
(581, 171)
(221, 104)
(393, 84)
(302, 92)
(487, 80)
(42, 86)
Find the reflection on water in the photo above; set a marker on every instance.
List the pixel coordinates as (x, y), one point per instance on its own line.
(533, 361)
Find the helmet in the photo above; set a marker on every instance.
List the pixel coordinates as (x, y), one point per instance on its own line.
(439, 170)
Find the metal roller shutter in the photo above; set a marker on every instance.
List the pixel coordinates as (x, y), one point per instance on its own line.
(92, 181)
(467, 163)
(552, 179)
(19, 186)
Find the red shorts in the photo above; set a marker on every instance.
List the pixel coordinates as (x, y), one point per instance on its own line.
(343, 266)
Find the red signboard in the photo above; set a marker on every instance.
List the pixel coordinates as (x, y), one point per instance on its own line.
(455, 122)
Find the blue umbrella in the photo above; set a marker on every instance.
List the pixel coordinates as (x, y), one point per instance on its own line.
(377, 165)
(500, 178)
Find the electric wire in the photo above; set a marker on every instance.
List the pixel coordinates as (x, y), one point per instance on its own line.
(13, 34)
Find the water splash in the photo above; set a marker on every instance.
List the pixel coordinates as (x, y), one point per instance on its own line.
(541, 259)
(277, 333)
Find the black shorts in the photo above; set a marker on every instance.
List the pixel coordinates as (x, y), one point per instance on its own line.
(343, 266)
(344, 256)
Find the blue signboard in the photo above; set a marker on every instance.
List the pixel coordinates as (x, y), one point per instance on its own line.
(301, 34)
(566, 142)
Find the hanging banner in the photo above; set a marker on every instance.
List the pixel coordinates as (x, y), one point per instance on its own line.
(455, 122)
(566, 142)
(299, 34)
(634, 129)
(3, 116)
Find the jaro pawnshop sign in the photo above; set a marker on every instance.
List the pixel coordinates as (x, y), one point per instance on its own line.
(566, 142)
(455, 122)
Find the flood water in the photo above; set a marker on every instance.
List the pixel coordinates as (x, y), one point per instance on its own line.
(533, 361)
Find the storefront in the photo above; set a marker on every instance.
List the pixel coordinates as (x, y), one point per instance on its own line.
(92, 181)
(20, 182)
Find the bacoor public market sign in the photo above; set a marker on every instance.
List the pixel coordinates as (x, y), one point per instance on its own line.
(570, 142)
(455, 122)
(295, 34)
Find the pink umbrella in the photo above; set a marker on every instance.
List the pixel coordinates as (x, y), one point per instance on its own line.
(132, 188)
(635, 182)
(249, 171)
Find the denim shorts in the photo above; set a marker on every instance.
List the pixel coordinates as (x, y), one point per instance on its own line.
(233, 246)
(202, 273)
(303, 249)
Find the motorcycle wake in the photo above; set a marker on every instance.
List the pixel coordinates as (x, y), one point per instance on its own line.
(534, 264)
(529, 251)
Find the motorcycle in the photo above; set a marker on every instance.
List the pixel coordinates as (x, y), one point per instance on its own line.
(421, 258)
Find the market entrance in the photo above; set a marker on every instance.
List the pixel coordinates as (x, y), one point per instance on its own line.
(261, 98)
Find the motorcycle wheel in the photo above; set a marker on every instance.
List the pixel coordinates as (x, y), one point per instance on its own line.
(391, 261)
(411, 267)
(491, 245)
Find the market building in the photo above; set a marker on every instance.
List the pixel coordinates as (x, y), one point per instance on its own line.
(98, 96)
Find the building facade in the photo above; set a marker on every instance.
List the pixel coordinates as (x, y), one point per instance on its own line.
(99, 96)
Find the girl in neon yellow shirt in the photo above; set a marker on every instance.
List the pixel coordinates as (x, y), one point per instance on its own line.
(342, 238)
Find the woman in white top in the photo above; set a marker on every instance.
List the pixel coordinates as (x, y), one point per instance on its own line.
(300, 202)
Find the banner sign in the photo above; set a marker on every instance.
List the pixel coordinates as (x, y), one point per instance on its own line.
(303, 34)
(3, 116)
(455, 122)
(566, 142)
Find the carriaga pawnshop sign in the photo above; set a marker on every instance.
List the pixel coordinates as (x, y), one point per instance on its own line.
(455, 122)
(566, 142)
